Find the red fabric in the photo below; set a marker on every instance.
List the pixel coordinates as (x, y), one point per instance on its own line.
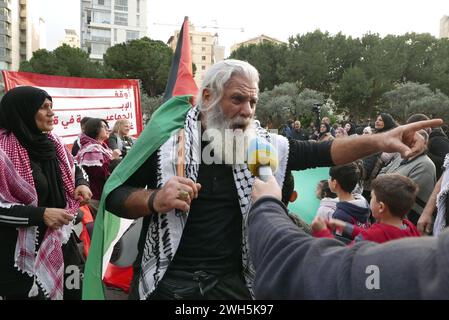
(381, 232)
(185, 84)
(324, 233)
(118, 277)
(378, 232)
(84, 236)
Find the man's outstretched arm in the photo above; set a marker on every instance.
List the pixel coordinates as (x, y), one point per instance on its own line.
(292, 265)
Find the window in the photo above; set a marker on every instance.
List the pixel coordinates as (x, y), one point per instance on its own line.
(138, 6)
(99, 48)
(203, 49)
(137, 21)
(4, 27)
(203, 39)
(101, 35)
(203, 67)
(101, 17)
(132, 35)
(121, 5)
(4, 14)
(106, 3)
(203, 58)
(121, 19)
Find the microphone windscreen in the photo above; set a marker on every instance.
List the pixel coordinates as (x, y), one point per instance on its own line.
(261, 153)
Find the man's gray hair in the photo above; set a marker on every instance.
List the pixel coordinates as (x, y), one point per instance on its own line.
(218, 76)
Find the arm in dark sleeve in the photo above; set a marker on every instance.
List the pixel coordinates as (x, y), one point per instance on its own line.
(369, 163)
(81, 177)
(112, 142)
(292, 265)
(75, 148)
(306, 154)
(144, 177)
(21, 216)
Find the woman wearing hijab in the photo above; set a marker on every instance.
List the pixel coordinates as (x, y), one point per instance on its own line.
(325, 133)
(96, 157)
(40, 190)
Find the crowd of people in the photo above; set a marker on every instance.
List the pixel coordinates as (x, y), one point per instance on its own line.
(216, 231)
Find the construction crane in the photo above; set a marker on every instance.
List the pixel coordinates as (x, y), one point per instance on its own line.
(241, 29)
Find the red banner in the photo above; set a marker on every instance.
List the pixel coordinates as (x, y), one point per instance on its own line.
(75, 98)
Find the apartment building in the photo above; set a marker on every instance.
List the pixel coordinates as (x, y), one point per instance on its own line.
(105, 23)
(257, 40)
(444, 27)
(205, 50)
(22, 31)
(71, 39)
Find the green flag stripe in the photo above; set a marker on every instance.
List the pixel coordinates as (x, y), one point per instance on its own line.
(169, 118)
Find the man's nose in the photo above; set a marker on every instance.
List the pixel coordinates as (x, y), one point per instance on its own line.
(246, 110)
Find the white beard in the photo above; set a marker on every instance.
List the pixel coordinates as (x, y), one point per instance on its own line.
(229, 138)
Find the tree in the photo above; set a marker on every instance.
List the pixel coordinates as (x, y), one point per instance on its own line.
(149, 105)
(286, 102)
(352, 92)
(268, 58)
(63, 61)
(307, 61)
(409, 98)
(144, 59)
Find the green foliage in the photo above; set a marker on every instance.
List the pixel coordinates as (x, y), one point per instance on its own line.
(144, 59)
(63, 61)
(352, 92)
(268, 58)
(287, 102)
(149, 105)
(409, 98)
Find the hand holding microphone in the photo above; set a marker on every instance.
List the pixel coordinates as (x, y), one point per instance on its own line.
(262, 158)
(263, 162)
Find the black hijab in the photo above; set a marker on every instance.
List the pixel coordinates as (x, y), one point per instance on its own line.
(18, 109)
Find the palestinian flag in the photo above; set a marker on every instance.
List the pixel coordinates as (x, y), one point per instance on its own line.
(180, 80)
(167, 120)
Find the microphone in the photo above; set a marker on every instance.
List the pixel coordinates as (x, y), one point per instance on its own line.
(262, 158)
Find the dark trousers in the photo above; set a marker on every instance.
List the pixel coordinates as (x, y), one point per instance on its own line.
(199, 285)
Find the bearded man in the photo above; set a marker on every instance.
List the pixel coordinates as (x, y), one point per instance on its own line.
(194, 242)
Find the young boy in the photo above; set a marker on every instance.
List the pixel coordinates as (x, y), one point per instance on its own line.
(342, 181)
(290, 195)
(392, 197)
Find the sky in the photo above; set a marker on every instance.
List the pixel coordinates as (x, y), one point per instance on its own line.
(276, 18)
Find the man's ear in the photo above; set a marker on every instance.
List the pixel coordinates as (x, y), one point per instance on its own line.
(207, 96)
(294, 196)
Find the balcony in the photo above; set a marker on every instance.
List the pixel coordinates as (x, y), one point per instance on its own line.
(5, 56)
(5, 32)
(5, 4)
(6, 18)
